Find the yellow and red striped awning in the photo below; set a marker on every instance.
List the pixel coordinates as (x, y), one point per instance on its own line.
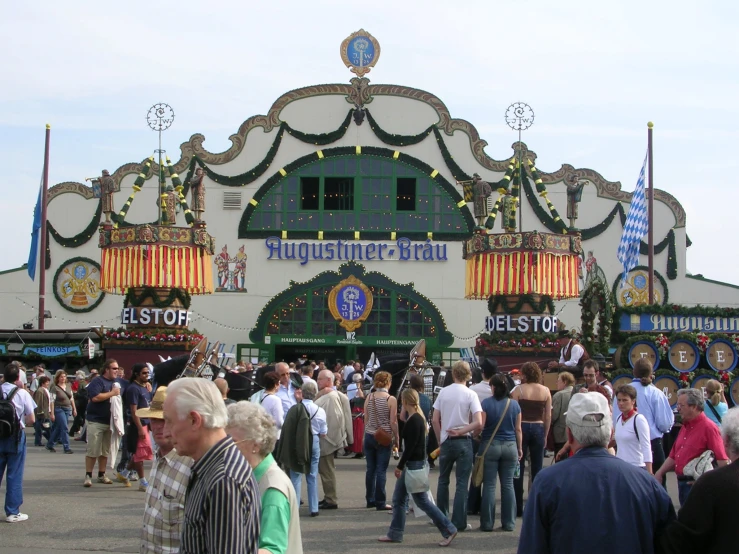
(185, 267)
(492, 273)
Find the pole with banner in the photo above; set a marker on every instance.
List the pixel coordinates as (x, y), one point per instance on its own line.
(650, 209)
(42, 251)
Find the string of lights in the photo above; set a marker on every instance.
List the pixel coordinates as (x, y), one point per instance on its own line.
(76, 322)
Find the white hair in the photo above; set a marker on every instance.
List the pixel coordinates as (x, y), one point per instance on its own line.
(730, 431)
(592, 436)
(253, 423)
(310, 390)
(192, 394)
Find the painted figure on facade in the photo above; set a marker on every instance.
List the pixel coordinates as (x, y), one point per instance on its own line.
(107, 190)
(198, 193)
(574, 197)
(481, 191)
(240, 269)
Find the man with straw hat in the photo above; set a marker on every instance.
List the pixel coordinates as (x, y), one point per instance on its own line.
(165, 496)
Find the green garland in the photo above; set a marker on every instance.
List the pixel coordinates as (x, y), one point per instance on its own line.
(543, 305)
(82, 237)
(59, 299)
(397, 140)
(258, 170)
(456, 171)
(599, 289)
(546, 219)
(151, 293)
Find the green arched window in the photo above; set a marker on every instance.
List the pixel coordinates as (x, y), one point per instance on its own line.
(393, 315)
(376, 195)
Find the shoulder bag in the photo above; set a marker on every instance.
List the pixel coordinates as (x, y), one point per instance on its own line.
(478, 469)
(713, 409)
(382, 437)
(417, 480)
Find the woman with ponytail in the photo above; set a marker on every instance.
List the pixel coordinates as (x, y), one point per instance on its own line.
(414, 458)
(716, 406)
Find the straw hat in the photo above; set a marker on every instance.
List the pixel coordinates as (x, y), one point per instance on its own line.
(156, 407)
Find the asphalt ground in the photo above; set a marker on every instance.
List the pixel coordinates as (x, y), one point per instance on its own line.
(66, 517)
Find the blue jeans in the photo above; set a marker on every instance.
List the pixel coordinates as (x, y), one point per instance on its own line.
(60, 428)
(13, 459)
(533, 444)
(310, 478)
(39, 431)
(424, 503)
(474, 495)
(683, 490)
(378, 458)
(453, 451)
(500, 461)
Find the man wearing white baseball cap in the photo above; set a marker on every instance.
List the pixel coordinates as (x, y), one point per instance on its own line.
(626, 507)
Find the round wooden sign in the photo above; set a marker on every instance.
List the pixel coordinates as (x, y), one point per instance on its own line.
(734, 391)
(684, 356)
(644, 349)
(700, 381)
(623, 379)
(721, 355)
(669, 385)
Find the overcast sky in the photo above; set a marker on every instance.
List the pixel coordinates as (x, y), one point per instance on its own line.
(594, 73)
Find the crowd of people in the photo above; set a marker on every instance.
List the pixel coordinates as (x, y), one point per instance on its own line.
(226, 476)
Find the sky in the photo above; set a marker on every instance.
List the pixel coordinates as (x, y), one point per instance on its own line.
(594, 73)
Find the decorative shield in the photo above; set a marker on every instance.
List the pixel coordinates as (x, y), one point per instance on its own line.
(350, 302)
(360, 52)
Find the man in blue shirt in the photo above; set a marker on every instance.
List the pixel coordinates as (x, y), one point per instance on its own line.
(626, 507)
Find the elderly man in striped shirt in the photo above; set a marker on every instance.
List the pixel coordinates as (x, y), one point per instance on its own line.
(165, 496)
(222, 501)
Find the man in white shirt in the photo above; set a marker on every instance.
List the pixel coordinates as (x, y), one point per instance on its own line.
(13, 449)
(348, 371)
(572, 355)
(286, 390)
(457, 414)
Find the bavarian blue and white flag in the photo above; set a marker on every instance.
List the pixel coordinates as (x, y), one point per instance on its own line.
(636, 226)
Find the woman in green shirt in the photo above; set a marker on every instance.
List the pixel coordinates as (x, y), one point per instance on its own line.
(254, 432)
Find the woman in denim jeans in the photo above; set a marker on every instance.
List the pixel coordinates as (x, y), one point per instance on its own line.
(380, 412)
(64, 408)
(414, 457)
(536, 416)
(501, 457)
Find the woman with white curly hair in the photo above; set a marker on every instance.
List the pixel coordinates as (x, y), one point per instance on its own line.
(254, 432)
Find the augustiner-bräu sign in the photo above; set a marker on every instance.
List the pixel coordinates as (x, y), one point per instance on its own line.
(678, 323)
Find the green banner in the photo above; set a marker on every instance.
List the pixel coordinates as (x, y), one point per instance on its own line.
(52, 350)
(342, 341)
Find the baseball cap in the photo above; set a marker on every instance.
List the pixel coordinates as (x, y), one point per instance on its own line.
(585, 404)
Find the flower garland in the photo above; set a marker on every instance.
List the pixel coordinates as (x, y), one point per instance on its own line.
(663, 345)
(397, 140)
(152, 335)
(702, 340)
(491, 344)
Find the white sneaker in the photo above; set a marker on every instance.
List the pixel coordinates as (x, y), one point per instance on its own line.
(15, 518)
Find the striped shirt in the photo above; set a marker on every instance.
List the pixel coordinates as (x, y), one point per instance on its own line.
(222, 504)
(378, 413)
(165, 504)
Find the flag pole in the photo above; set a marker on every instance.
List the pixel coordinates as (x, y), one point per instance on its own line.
(650, 209)
(42, 250)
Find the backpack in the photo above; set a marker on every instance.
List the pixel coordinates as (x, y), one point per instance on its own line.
(10, 425)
